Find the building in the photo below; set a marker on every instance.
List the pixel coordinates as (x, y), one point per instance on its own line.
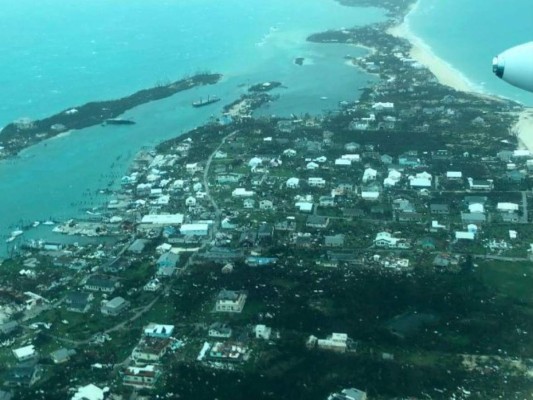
(79, 301)
(317, 222)
(25, 353)
(227, 352)
(152, 286)
(442, 209)
(138, 246)
(241, 192)
(101, 283)
(150, 350)
(335, 342)
(158, 330)
(293, 183)
(8, 327)
(62, 355)
(219, 330)
(115, 306)
(334, 240)
(316, 182)
(168, 260)
(348, 394)
(194, 229)
(262, 332)
(162, 219)
(230, 301)
(480, 184)
(141, 377)
(89, 392)
(22, 376)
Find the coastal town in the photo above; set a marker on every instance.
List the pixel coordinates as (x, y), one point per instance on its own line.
(380, 251)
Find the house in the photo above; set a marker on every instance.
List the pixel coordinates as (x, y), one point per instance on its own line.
(224, 179)
(408, 161)
(168, 260)
(25, 353)
(441, 209)
(101, 283)
(115, 306)
(141, 377)
(415, 182)
(152, 286)
(473, 218)
(369, 175)
(8, 327)
(386, 240)
(230, 301)
(248, 204)
(62, 355)
(222, 255)
(312, 166)
(476, 208)
(190, 201)
(89, 392)
(334, 240)
(335, 342)
(370, 195)
(480, 184)
(454, 175)
(266, 205)
(348, 394)
(22, 376)
(316, 182)
(138, 246)
(219, 330)
(194, 229)
(326, 201)
(317, 222)
(150, 349)
(226, 352)
(507, 207)
(161, 220)
(464, 235)
(241, 192)
(265, 231)
(192, 168)
(254, 261)
(6, 395)
(342, 162)
(410, 217)
(379, 106)
(158, 330)
(386, 159)
(293, 183)
(78, 301)
(304, 206)
(262, 332)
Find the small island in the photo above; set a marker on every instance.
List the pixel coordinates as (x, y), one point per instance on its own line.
(299, 61)
(25, 132)
(264, 87)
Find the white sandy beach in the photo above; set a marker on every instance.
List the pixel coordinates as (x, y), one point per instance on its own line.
(524, 129)
(421, 52)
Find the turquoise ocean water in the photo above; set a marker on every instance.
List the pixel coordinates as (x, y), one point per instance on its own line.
(469, 33)
(59, 54)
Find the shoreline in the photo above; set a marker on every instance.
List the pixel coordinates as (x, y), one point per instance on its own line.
(523, 129)
(445, 73)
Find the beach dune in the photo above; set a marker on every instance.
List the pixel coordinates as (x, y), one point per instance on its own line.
(445, 73)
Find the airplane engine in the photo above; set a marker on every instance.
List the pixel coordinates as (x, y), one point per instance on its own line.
(515, 66)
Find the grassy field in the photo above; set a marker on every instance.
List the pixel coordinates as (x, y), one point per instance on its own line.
(510, 279)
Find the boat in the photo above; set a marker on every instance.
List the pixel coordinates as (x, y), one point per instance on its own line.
(202, 102)
(16, 233)
(119, 121)
(11, 239)
(36, 224)
(49, 222)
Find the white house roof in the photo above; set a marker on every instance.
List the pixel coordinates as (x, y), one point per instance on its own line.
(420, 182)
(89, 392)
(521, 153)
(507, 206)
(383, 235)
(351, 157)
(304, 206)
(343, 161)
(254, 162)
(194, 227)
(464, 235)
(370, 195)
(454, 174)
(153, 328)
(476, 208)
(293, 182)
(424, 175)
(389, 182)
(24, 352)
(393, 174)
(312, 165)
(163, 219)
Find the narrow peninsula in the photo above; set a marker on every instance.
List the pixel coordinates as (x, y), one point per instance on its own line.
(25, 132)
